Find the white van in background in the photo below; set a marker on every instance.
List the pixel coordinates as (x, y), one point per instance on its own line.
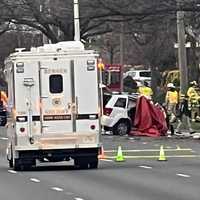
(139, 75)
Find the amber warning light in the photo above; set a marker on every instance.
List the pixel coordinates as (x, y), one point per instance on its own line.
(101, 65)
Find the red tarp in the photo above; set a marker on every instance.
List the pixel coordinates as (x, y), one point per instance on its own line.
(149, 119)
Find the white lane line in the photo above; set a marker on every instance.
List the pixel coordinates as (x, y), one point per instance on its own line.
(145, 167)
(57, 189)
(183, 175)
(35, 180)
(3, 138)
(69, 193)
(77, 198)
(107, 160)
(12, 171)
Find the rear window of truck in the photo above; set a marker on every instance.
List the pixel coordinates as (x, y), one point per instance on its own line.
(56, 83)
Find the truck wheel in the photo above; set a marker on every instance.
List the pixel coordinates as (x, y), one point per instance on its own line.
(17, 166)
(20, 165)
(81, 163)
(94, 163)
(121, 128)
(10, 161)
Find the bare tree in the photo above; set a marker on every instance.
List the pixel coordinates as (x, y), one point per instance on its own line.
(150, 25)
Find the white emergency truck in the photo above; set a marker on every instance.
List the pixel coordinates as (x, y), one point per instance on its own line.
(54, 105)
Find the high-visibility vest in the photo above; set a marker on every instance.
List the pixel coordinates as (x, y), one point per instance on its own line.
(192, 92)
(172, 97)
(146, 91)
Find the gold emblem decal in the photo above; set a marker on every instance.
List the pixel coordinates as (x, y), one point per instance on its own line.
(56, 101)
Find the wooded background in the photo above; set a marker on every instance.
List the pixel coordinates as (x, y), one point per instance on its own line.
(149, 28)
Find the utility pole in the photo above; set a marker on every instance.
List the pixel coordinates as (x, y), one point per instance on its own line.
(44, 4)
(122, 56)
(182, 61)
(76, 21)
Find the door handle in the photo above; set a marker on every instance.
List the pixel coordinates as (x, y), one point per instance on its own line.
(76, 104)
(44, 97)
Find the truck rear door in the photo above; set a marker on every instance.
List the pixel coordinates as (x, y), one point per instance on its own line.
(55, 97)
(86, 94)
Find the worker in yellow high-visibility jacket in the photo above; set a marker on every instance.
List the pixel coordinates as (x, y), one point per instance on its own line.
(146, 90)
(192, 90)
(171, 101)
(194, 101)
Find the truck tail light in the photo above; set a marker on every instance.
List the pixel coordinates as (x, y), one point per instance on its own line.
(22, 129)
(107, 111)
(92, 127)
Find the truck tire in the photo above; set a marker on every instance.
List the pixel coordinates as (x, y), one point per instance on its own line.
(122, 127)
(17, 166)
(81, 163)
(21, 165)
(94, 163)
(10, 161)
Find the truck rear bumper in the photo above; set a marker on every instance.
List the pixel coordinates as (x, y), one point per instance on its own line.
(60, 141)
(58, 154)
(60, 147)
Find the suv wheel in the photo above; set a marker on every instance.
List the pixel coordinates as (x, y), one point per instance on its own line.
(121, 128)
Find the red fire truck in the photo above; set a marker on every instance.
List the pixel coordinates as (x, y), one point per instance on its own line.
(112, 76)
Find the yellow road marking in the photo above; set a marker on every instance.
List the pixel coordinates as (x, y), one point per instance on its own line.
(178, 147)
(146, 150)
(173, 156)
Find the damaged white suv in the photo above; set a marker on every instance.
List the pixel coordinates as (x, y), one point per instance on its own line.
(119, 113)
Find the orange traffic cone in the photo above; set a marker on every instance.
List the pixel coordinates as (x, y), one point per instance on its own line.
(102, 154)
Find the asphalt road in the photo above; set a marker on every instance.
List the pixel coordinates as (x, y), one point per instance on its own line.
(137, 178)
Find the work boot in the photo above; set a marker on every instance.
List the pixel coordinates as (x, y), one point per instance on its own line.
(192, 132)
(177, 132)
(198, 118)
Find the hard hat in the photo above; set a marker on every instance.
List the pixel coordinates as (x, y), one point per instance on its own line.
(193, 83)
(170, 85)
